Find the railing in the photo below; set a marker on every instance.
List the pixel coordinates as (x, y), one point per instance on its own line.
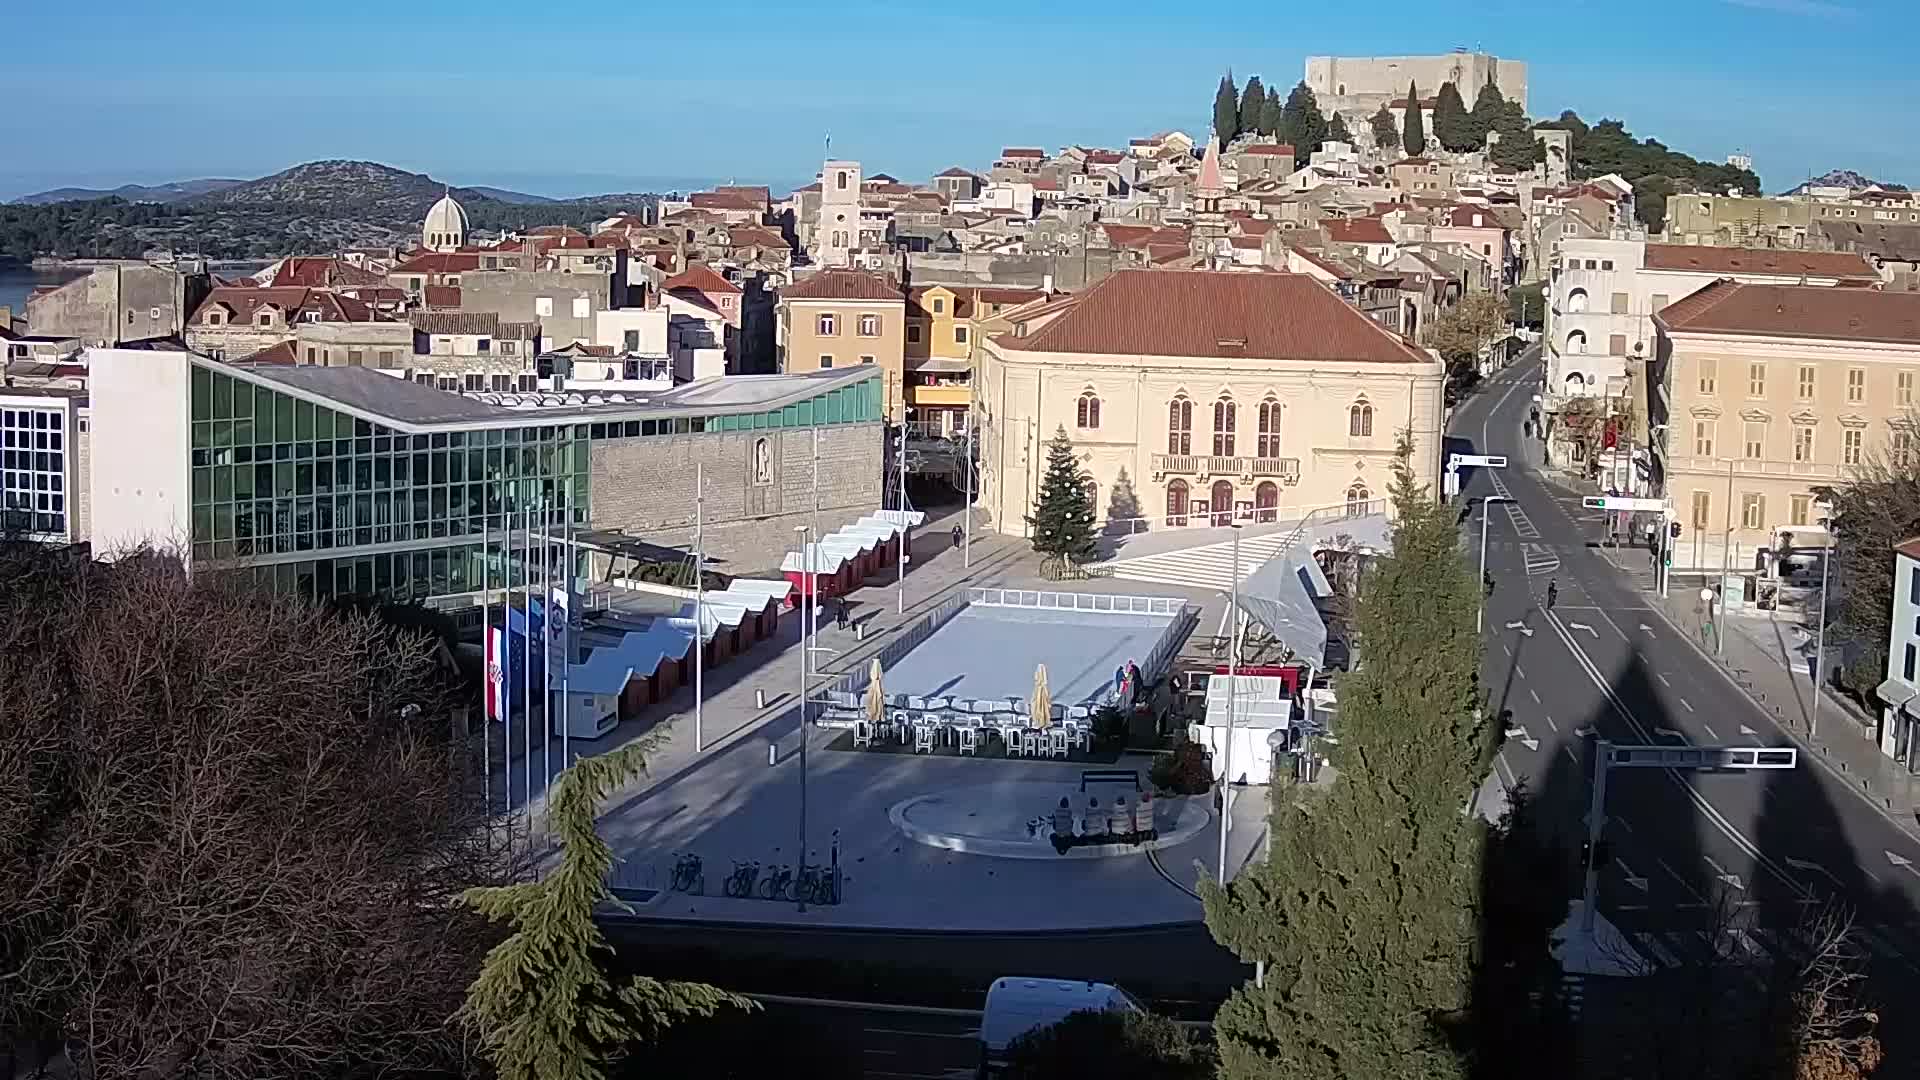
(1204, 465)
(1751, 467)
(1337, 512)
(1065, 601)
(855, 680)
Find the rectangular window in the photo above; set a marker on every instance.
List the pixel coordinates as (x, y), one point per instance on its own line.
(1903, 387)
(1659, 301)
(484, 345)
(959, 335)
(582, 307)
(1856, 384)
(475, 383)
(1702, 508)
(1900, 447)
(826, 361)
(1913, 586)
(869, 326)
(630, 341)
(1850, 441)
(913, 335)
(1803, 442)
(1757, 379)
(1797, 507)
(1703, 438)
(1617, 345)
(1756, 442)
(1620, 304)
(827, 325)
(1753, 510)
(1709, 371)
(866, 359)
(543, 305)
(1908, 668)
(1804, 391)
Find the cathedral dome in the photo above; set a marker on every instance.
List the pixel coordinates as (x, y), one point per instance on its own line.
(446, 225)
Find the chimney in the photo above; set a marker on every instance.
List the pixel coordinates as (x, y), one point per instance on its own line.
(1046, 284)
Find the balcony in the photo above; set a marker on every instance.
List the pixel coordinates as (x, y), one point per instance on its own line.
(950, 397)
(1207, 466)
(1782, 470)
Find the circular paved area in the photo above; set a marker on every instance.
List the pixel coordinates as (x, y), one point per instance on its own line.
(1013, 820)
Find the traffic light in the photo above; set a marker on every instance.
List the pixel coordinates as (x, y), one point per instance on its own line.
(1673, 530)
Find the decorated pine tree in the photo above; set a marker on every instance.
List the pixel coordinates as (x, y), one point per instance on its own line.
(1365, 911)
(543, 1005)
(1062, 518)
(1413, 126)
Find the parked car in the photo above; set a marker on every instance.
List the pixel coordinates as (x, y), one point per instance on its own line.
(1019, 1004)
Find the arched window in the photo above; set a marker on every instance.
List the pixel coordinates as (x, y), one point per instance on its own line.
(840, 180)
(1266, 501)
(1180, 428)
(1086, 414)
(1360, 420)
(1269, 429)
(1177, 503)
(1092, 489)
(1577, 301)
(1357, 499)
(1226, 417)
(1220, 504)
(1577, 341)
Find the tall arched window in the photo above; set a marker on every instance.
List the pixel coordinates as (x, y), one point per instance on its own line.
(1266, 501)
(1221, 502)
(1180, 427)
(1357, 499)
(1577, 301)
(1086, 414)
(1092, 489)
(1226, 417)
(1577, 341)
(1269, 429)
(1360, 420)
(1177, 503)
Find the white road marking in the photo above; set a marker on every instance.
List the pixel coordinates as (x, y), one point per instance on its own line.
(1536, 697)
(1710, 733)
(1664, 681)
(1678, 880)
(1683, 701)
(1569, 749)
(1552, 725)
(1520, 671)
(1505, 649)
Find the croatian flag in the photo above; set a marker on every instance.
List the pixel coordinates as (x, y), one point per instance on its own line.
(499, 687)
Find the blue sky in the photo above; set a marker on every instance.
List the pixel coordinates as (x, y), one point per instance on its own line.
(569, 98)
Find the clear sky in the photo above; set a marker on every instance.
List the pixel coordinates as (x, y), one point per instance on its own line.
(566, 98)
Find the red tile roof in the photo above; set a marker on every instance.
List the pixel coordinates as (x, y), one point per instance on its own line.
(838, 284)
(243, 302)
(443, 296)
(1340, 273)
(439, 262)
(750, 236)
(282, 355)
(1126, 236)
(1200, 313)
(701, 278)
(1462, 217)
(1817, 312)
(1022, 152)
(1268, 150)
(759, 192)
(1365, 230)
(1910, 548)
(1105, 157)
(724, 200)
(554, 230)
(321, 272)
(1786, 263)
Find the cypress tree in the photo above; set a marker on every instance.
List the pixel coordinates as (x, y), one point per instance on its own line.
(1226, 110)
(1062, 518)
(1253, 100)
(1451, 127)
(1365, 911)
(542, 1005)
(1270, 113)
(1337, 130)
(1301, 122)
(1385, 135)
(1413, 126)
(1488, 105)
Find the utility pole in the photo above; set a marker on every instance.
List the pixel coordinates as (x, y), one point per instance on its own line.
(811, 581)
(1233, 702)
(966, 543)
(699, 600)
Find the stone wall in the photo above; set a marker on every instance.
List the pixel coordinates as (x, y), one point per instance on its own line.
(1069, 272)
(514, 294)
(118, 304)
(645, 487)
(80, 481)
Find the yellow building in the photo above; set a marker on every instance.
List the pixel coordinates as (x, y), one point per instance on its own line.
(944, 325)
(1196, 398)
(1772, 391)
(841, 318)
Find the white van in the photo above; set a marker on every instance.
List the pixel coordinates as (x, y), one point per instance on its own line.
(1018, 1004)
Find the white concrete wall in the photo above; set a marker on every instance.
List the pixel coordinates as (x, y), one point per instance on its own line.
(610, 328)
(140, 459)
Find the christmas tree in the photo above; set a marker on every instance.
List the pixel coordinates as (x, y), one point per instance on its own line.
(1062, 520)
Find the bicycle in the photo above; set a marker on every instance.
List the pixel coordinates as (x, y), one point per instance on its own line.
(689, 873)
(740, 883)
(775, 885)
(818, 885)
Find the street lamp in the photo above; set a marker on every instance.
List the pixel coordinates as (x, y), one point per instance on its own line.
(1486, 512)
(1706, 599)
(1820, 642)
(811, 583)
(1233, 694)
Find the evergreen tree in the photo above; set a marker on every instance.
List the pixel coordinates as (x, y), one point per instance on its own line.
(1385, 135)
(1337, 130)
(1301, 123)
(1487, 108)
(543, 1005)
(1413, 126)
(1451, 127)
(1270, 112)
(1062, 518)
(1365, 910)
(1253, 100)
(1226, 110)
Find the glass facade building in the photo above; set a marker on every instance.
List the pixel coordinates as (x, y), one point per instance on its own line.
(325, 501)
(35, 463)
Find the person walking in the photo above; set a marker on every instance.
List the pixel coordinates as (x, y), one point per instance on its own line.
(1553, 593)
(1486, 580)
(958, 535)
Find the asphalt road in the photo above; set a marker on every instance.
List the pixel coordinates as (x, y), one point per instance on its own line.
(1690, 849)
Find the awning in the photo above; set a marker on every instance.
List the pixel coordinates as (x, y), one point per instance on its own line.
(1896, 692)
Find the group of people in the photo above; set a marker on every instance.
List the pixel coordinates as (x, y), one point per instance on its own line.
(1115, 823)
(1126, 684)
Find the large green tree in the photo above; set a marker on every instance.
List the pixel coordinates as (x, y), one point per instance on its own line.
(1270, 112)
(1488, 104)
(1301, 122)
(1451, 127)
(1253, 101)
(1062, 518)
(1226, 110)
(1875, 508)
(543, 1005)
(1365, 910)
(1413, 125)
(1648, 164)
(1385, 135)
(1337, 130)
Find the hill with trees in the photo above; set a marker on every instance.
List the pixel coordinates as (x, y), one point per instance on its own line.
(1654, 169)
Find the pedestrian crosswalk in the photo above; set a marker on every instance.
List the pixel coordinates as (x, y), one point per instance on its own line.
(1541, 559)
(1660, 950)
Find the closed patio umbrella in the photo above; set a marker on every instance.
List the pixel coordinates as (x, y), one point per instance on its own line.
(876, 697)
(1042, 698)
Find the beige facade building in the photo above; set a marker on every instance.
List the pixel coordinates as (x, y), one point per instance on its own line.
(844, 318)
(1776, 390)
(1210, 396)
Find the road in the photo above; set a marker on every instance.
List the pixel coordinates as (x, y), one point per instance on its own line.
(1603, 663)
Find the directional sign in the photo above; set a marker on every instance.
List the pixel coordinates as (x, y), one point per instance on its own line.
(1584, 626)
(1482, 461)
(1622, 503)
(1705, 757)
(1522, 627)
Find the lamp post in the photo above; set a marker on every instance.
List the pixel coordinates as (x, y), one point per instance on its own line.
(1486, 512)
(812, 583)
(1820, 641)
(1233, 694)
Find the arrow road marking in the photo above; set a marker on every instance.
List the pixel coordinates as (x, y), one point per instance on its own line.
(1520, 734)
(1815, 867)
(1584, 626)
(1627, 871)
(1525, 630)
(1731, 880)
(1648, 629)
(1903, 863)
(1747, 732)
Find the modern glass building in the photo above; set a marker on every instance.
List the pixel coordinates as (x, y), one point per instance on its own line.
(40, 434)
(346, 481)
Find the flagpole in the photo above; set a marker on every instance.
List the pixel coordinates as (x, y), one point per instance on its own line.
(546, 645)
(699, 601)
(490, 694)
(566, 622)
(526, 674)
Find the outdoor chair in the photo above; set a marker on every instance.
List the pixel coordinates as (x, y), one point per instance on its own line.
(916, 703)
(923, 739)
(984, 708)
(1032, 743)
(1077, 735)
(970, 741)
(940, 703)
(862, 735)
(1056, 742)
(1078, 712)
(899, 725)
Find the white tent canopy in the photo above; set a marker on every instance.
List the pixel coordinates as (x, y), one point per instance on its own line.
(1281, 596)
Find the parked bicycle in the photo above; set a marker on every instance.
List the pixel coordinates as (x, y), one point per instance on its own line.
(818, 885)
(740, 883)
(777, 882)
(689, 873)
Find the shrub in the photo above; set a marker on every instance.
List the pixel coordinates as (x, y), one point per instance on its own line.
(1183, 772)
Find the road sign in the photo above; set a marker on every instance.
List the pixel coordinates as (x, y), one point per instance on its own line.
(1480, 461)
(1622, 503)
(1703, 757)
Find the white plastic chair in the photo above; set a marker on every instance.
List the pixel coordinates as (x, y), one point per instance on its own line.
(1056, 742)
(862, 735)
(923, 739)
(970, 741)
